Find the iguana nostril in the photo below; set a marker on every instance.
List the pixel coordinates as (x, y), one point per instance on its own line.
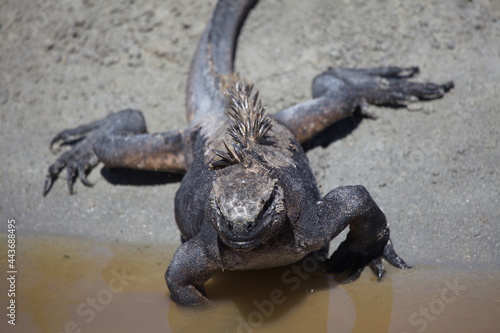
(249, 226)
(240, 226)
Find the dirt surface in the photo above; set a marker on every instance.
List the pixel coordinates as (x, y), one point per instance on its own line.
(433, 168)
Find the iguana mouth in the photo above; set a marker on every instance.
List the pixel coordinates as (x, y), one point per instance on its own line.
(247, 240)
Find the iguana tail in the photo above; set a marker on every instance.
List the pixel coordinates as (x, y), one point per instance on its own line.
(214, 59)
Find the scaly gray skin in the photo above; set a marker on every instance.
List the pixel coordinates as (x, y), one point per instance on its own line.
(248, 199)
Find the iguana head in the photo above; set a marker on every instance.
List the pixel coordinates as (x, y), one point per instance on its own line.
(247, 208)
(247, 204)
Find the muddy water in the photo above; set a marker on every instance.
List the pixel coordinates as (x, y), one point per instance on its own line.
(78, 285)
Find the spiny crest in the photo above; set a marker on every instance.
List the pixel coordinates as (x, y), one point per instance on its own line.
(228, 157)
(249, 118)
(249, 124)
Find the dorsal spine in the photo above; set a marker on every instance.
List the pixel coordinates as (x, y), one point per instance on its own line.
(249, 124)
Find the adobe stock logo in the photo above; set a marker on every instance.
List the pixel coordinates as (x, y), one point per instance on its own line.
(425, 315)
(292, 280)
(93, 305)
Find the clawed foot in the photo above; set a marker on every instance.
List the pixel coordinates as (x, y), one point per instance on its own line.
(77, 162)
(388, 86)
(83, 140)
(347, 259)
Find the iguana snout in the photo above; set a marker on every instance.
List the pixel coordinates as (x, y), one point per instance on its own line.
(247, 208)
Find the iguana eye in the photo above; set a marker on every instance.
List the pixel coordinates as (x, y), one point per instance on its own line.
(266, 209)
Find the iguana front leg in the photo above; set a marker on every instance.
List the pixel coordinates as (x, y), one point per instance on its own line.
(188, 271)
(368, 239)
(120, 141)
(338, 92)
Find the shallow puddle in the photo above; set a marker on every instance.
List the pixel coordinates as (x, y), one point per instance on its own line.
(77, 285)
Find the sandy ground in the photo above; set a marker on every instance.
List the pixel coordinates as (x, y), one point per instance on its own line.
(433, 167)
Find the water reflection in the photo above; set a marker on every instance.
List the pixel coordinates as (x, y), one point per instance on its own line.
(70, 285)
(261, 301)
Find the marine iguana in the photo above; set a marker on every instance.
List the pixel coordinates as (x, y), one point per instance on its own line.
(248, 198)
